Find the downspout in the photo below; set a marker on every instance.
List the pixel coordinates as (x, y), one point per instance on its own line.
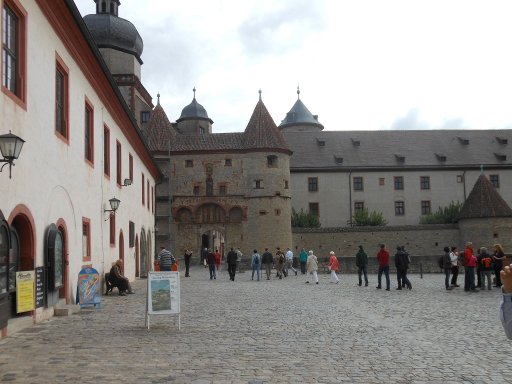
(350, 196)
(464, 184)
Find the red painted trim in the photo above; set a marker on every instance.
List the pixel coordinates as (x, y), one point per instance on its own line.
(137, 256)
(21, 70)
(22, 209)
(119, 164)
(61, 67)
(112, 226)
(90, 107)
(87, 222)
(106, 151)
(147, 191)
(68, 31)
(143, 191)
(130, 166)
(121, 247)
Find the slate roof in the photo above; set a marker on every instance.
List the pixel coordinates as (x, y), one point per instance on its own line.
(398, 149)
(300, 115)
(484, 201)
(194, 111)
(158, 130)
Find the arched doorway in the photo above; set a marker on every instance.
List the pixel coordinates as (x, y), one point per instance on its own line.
(121, 249)
(214, 240)
(137, 257)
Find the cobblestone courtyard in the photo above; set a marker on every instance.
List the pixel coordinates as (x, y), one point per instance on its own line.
(278, 331)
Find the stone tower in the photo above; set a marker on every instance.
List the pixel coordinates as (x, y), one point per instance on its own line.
(194, 119)
(299, 119)
(121, 47)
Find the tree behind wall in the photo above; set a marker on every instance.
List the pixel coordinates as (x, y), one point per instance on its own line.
(444, 215)
(304, 220)
(365, 218)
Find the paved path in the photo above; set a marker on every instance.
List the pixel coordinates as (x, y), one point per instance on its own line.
(278, 331)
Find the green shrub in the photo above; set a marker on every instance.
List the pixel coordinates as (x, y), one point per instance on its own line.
(304, 220)
(365, 218)
(444, 215)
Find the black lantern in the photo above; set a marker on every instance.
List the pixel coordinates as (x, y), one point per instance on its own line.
(10, 147)
(114, 205)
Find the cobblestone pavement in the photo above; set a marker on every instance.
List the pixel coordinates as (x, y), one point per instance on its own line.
(277, 331)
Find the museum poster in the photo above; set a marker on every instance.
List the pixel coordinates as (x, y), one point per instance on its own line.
(163, 293)
(25, 298)
(89, 287)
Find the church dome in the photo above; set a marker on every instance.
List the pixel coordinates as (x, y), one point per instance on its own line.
(111, 31)
(194, 111)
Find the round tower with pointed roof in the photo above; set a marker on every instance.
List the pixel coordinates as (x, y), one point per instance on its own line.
(194, 119)
(300, 119)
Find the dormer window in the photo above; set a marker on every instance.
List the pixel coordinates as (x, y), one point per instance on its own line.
(338, 159)
(320, 142)
(441, 158)
(400, 158)
(355, 142)
(501, 157)
(501, 140)
(463, 141)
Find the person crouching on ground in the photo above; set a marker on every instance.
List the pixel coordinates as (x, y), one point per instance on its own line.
(117, 278)
(312, 267)
(334, 267)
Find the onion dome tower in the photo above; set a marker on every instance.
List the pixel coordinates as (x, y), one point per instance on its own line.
(300, 119)
(194, 119)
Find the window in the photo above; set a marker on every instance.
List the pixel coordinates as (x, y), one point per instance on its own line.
(258, 184)
(460, 178)
(112, 222)
(222, 190)
(286, 184)
(147, 191)
(272, 161)
(196, 190)
(277, 212)
(89, 133)
(131, 234)
(61, 99)
(399, 183)
(153, 199)
(381, 181)
(358, 206)
(14, 51)
(144, 116)
(495, 180)
(399, 208)
(189, 163)
(143, 191)
(227, 162)
(425, 182)
(358, 183)
(313, 209)
(425, 207)
(262, 213)
(312, 184)
(119, 163)
(86, 239)
(106, 151)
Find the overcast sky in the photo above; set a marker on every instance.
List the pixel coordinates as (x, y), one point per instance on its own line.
(359, 64)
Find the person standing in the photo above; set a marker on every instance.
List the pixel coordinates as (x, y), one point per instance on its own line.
(303, 258)
(334, 267)
(454, 257)
(210, 260)
(204, 256)
(231, 259)
(469, 268)
(506, 305)
(497, 259)
(187, 256)
(217, 259)
(267, 260)
(362, 265)
(165, 259)
(239, 255)
(255, 264)
(312, 267)
(485, 268)
(402, 264)
(447, 268)
(279, 263)
(383, 259)
(289, 261)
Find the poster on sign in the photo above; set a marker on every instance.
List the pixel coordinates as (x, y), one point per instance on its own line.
(163, 296)
(25, 291)
(89, 288)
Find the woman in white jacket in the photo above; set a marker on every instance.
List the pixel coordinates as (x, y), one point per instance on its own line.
(312, 267)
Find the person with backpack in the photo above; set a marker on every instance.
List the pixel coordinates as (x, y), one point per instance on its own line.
(454, 257)
(447, 268)
(279, 263)
(267, 260)
(255, 264)
(231, 259)
(485, 268)
(362, 266)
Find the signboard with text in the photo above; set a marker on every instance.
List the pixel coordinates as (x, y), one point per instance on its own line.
(40, 284)
(163, 293)
(25, 291)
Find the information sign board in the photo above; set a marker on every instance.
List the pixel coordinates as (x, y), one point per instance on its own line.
(89, 287)
(25, 291)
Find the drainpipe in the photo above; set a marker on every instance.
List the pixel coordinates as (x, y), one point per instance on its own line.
(350, 195)
(464, 184)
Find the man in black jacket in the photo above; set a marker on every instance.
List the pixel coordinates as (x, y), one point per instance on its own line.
(402, 264)
(267, 260)
(231, 260)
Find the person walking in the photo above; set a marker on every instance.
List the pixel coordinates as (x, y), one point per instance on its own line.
(288, 264)
(255, 264)
(267, 260)
(231, 260)
(210, 260)
(506, 304)
(447, 268)
(165, 259)
(469, 268)
(454, 257)
(383, 259)
(217, 259)
(362, 266)
(187, 256)
(303, 258)
(239, 255)
(334, 267)
(402, 265)
(204, 256)
(312, 267)
(485, 268)
(279, 263)
(497, 258)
